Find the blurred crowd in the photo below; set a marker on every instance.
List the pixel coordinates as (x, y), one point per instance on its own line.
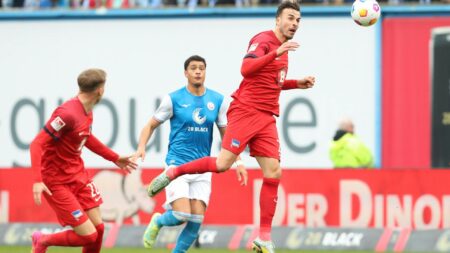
(93, 4)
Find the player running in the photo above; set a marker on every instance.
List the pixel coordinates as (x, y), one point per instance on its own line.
(192, 111)
(251, 118)
(59, 171)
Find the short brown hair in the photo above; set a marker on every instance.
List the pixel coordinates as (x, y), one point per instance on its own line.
(91, 79)
(287, 4)
(193, 58)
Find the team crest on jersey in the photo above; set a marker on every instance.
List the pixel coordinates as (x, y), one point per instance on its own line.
(235, 143)
(198, 116)
(57, 124)
(211, 106)
(252, 47)
(77, 214)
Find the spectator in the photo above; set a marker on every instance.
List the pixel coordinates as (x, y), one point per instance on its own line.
(347, 150)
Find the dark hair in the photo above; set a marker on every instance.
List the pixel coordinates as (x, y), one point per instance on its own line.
(193, 58)
(287, 4)
(91, 79)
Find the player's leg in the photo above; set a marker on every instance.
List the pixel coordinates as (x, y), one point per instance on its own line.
(241, 128)
(90, 199)
(265, 148)
(96, 219)
(178, 210)
(206, 164)
(70, 213)
(190, 232)
(222, 163)
(200, 191)
(179, 214)
(81, 235)
(268, 198)
(269, 194)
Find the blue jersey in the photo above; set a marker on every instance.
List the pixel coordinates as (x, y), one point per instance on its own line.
(192, 121)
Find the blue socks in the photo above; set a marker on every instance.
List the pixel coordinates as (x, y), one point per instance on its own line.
(190, 231)
(172, 218)
(189, 234)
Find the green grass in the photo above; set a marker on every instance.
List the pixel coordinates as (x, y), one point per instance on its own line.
(24, 249)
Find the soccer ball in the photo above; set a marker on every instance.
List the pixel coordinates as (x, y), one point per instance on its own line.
(365, 12)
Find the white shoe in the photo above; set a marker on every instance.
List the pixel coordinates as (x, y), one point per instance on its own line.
(261, 246)
(151, 232)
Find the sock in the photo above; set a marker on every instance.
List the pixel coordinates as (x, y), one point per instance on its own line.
(68, 238)
(189, 234)
(172, 218)
(267, 204)
(97, 245)
(202, 165)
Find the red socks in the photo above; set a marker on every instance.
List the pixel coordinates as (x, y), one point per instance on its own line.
(267, 204)
(68, 238)
(97, 245)
(202, 165)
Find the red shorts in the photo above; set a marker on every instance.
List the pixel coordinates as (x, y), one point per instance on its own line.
(251, 127)
(70, 201)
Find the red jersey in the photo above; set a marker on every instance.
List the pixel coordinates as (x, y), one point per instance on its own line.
(261, 90)
(70, 127)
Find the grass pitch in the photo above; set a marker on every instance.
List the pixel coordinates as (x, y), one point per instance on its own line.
(24, 249)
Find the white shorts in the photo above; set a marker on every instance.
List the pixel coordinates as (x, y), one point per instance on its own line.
(196, 186)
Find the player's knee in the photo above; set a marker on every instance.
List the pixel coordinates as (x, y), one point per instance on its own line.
(181, 216)
(100, 229)
(222, 166)
(91, 238)
(197, 218)
(273, 172)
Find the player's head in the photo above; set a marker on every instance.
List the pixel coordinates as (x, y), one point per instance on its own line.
(288, 18)
(92, 81)
(195, 70)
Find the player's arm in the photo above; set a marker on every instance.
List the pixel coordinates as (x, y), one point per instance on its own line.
(258, 56)
(163, 113)
(305, 83)
(146, 134)
(54, 128)
(252, 64)
(36, 148)
(96, 146)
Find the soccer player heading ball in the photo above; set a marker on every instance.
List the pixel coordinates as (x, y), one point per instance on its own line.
(250, 116)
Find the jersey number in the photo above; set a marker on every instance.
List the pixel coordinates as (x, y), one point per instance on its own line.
(281, 77)
(95, 193)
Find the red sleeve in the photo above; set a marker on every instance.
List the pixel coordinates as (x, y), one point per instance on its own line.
(60, 121)
(36, 150)
(258, 55)
(101, 149)
(252, 65)
(289, 85)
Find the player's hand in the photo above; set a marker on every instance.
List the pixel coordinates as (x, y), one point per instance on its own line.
(139, 154)
(242, 174)
(287, 46)
(126, 163)
(306, 83)
(38, 188)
